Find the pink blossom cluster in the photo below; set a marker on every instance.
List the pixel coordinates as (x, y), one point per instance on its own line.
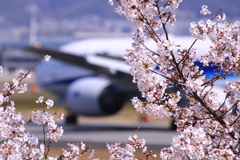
(204, 10)
(75, 151)
(44, 118)
(208, 128)
(130, 150)
(16, 144)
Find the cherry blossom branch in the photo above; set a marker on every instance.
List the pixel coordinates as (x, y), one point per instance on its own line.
(204, 123)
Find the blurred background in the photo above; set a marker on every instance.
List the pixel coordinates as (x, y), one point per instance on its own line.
(60, 21)
(55, 22)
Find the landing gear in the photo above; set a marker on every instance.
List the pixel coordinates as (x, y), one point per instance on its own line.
(173, 127)
(71, 119)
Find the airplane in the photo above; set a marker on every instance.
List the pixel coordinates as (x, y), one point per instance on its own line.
(91, 78)
(92, 81)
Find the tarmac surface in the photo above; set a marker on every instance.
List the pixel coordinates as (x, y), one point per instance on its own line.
(97, 135)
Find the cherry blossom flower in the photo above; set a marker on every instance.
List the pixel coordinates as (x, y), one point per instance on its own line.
(47, 57)
(91, 154)
(49, 103)
(40, 99)
(204, 10)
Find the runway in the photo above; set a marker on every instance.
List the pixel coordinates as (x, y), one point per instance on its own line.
(97, 135)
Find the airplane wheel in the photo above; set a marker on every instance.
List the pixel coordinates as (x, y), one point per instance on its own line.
(71, 119)
(173, 126)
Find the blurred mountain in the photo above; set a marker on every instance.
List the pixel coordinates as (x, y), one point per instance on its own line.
(75, 19)
(13, 12)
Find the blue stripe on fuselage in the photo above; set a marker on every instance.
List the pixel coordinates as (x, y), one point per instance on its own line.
(67, 80)
(207, 70)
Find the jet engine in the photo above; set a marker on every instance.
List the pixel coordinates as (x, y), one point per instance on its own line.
(93, 96)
